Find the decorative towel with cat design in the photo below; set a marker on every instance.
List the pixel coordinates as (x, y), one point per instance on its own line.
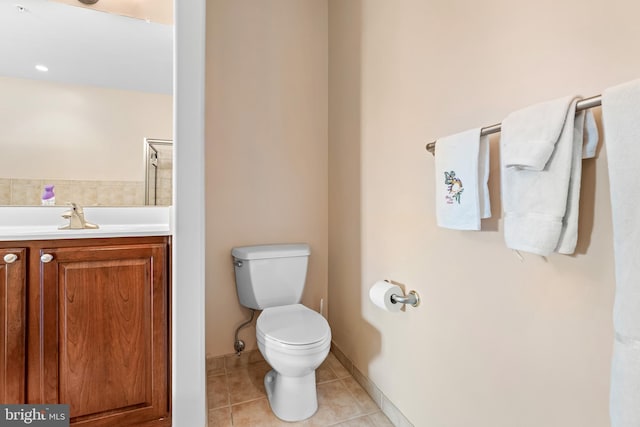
(462, 174)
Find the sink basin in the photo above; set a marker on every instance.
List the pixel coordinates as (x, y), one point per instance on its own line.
(42, 222)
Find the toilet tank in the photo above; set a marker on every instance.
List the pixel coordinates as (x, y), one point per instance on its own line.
(270, 275)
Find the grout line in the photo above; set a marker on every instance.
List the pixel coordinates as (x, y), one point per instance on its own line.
(226, 383)
(247, 401)
(362, 411)
(356, 417)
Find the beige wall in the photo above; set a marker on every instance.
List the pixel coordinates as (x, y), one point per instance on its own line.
(496, 342)
(266, 145)
(72, 132)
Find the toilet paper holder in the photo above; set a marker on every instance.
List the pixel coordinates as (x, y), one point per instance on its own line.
(412, 298)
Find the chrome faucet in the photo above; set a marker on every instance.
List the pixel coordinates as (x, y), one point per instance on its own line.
(76, 219)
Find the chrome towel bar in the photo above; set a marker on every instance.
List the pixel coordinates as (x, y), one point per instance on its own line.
(584, 104)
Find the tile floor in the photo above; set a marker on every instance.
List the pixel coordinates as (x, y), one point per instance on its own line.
(236, 396)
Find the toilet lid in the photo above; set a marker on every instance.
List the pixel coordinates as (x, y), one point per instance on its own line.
(293, 325)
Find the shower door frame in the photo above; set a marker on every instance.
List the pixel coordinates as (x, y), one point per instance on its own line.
(149, 148)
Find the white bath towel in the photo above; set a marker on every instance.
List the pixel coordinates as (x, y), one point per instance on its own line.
(462, 174)
(621, 120)
(585, 142)
(541, 176)
(624, 406)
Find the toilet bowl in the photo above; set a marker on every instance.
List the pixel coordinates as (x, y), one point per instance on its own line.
(294, 340)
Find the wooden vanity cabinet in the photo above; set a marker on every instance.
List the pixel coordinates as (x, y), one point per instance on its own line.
(13, 285)
(98, 329)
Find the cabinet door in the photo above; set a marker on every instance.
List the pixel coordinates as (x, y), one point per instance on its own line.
(12, 327)
(104, 332)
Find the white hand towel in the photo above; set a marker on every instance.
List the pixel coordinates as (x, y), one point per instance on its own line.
(529, 135)
(462, 174)
(621, 120)
(541, 177)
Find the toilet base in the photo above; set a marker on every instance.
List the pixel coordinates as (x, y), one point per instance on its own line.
(291, 398)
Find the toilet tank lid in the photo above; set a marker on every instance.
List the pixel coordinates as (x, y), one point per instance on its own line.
(271, 251)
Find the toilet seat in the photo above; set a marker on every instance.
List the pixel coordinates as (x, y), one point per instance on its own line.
(293, 327)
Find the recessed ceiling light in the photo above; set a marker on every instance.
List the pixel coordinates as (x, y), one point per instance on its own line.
(42, 68)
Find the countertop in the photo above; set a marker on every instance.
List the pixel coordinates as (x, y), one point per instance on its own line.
(42, 222)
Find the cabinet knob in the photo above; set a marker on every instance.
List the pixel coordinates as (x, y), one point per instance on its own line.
(10, 258)
(46, 258)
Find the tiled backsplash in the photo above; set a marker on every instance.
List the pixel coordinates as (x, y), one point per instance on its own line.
(28, 192)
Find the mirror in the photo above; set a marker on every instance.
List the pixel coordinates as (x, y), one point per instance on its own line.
(83, 124)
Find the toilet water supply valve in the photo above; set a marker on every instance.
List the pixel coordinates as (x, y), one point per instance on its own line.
(238, 345)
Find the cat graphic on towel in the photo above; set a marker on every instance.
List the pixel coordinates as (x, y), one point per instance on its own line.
(454, 187)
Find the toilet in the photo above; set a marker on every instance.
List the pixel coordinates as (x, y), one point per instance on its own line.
(292, 338)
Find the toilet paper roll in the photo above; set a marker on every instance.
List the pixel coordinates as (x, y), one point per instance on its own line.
(380, 294)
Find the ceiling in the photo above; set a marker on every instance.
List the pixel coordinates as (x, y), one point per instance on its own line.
(84, 46)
